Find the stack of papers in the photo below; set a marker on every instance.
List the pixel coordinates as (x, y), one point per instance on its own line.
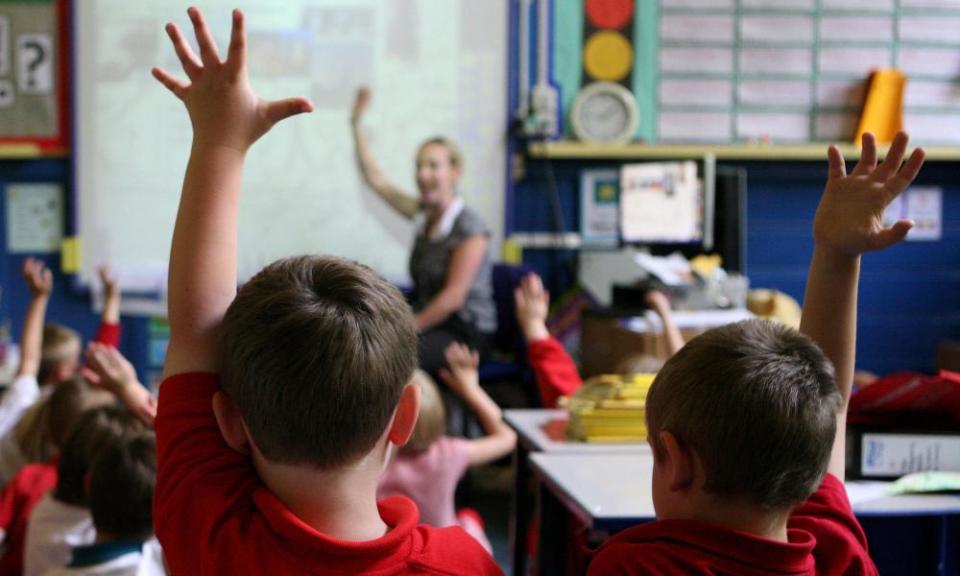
(609, 408)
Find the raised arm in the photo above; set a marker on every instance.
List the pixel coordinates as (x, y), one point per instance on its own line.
(111, 296)
(109, 331)
(660, 304)
(404, 203)
(849, 221)
(462, 377)
(107, 368)
(554, 370)
(39, 282)
(227, 118)
(465, 263)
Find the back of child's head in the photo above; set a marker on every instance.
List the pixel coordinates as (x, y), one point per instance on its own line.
(94, 432)
(121, 488)
(316, 352)
(432, 418)
(757, 403)
(42, 431)
(68, 402)
(60, 353)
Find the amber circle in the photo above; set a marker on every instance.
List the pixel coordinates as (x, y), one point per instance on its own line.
(608, 56)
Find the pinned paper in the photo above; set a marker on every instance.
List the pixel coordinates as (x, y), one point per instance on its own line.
(34, 217)
(70, 255)
(923, 205)
(512, 252)
(660, 202)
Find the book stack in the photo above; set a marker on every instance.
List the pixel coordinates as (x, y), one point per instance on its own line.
(609, 408)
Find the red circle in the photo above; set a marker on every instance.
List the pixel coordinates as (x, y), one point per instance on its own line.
(609, 13)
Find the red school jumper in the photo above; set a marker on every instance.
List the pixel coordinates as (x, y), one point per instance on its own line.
(213, 515)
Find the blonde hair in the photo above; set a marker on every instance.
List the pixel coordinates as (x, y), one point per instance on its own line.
(456, 158)
(60, 345)
(432, 420)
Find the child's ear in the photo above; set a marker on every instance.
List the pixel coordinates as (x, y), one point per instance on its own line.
(677, 462)
(405, 417)
(230, 423)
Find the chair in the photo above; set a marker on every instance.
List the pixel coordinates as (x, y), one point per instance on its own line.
(510, 351)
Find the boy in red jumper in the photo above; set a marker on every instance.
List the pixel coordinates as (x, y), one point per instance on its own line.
(555, 373)
(281, 402)
(748, 421)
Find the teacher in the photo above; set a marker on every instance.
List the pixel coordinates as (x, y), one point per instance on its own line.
(450, 262)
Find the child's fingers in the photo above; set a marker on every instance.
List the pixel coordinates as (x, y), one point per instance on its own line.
(237, 53)
(909, 171)
(836, 168)
(868, 156)
(892, 235)
(178, 88)
(891, 164)
(208, 47)
(187, 58)
(447, 376)
(278, 110)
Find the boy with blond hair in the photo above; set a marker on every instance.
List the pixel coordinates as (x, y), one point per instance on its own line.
(747, 422)
(280, 402)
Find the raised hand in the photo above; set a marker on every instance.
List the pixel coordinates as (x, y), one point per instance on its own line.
(38, 277)
(360, 104)
(532, 304)
(106, 367)
(461, 376)
(849, 219)
(108, 280)
(224, 110)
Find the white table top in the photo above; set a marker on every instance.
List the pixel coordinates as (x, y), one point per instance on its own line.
(542, 431)
(686, 319)
(611, 491)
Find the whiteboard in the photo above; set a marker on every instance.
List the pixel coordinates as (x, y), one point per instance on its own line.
(435, 68)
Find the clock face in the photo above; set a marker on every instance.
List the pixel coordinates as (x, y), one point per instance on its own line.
(604, 117)
(604, 112)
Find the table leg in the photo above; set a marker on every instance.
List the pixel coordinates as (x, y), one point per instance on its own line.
(554, 520)
(521, 510)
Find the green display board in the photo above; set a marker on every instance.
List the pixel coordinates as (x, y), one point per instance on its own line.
(792, 71)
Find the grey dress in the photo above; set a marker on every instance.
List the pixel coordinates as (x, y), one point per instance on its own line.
(475, 323)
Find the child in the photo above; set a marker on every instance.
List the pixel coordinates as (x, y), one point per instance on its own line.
(429, 466)
(747, 422)
(49, 355)
(276, 472)
(61, 519)
(121, 494)
(554, 370)
(65, 406)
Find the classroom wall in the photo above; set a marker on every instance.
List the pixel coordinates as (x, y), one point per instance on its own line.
(908, 294)
(68, 305)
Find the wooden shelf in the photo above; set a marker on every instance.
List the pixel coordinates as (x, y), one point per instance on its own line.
(28, 151)
(571, 150)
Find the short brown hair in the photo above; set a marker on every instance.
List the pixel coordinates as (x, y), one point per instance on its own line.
(757, 402)
(316, 351)
(121, 488)
(96, 430)
(60, 344)
(432, 419)
(456, 158)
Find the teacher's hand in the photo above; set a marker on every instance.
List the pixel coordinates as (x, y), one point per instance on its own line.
(360, 103)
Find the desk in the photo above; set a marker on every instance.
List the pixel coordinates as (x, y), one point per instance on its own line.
(908, 534)
(543, 431)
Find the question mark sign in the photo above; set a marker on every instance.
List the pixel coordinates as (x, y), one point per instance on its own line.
(39, 54)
